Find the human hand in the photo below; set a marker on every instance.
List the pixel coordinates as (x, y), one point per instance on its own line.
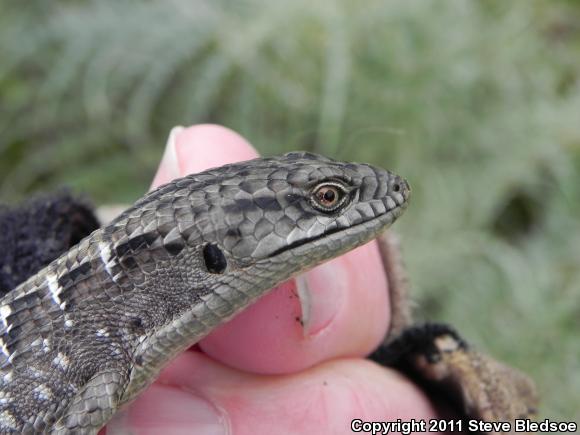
(293, 362)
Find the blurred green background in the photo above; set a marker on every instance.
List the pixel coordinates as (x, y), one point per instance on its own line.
(477, 103)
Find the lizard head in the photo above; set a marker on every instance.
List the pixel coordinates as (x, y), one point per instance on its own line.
(268, 217)
(295, 211)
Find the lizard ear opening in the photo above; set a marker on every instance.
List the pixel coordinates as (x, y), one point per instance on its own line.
(214, 258)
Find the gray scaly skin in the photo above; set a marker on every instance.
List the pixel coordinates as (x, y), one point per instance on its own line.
(89, 332)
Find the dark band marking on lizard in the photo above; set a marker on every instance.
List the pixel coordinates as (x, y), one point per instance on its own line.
(89, 332)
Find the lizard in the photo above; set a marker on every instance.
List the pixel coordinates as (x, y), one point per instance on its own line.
(85, 335)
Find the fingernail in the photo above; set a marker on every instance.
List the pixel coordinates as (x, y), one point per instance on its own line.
(321, 296)
(169, 166)
(170, 410)
(206, 146)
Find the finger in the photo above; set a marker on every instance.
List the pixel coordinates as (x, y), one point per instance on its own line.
(195, 149)
(198, 395)
(338, 309)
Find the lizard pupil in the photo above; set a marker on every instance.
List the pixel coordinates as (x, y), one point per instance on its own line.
(328, 196)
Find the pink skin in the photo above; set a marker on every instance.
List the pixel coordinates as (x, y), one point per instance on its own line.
(274, 368)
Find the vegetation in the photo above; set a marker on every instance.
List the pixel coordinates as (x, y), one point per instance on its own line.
(477, 103)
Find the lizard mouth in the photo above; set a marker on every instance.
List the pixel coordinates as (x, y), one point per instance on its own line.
(393, 213)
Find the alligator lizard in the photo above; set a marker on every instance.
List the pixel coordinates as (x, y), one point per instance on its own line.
(90, 331)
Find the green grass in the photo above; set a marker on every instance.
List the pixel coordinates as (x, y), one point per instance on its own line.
(477, 103)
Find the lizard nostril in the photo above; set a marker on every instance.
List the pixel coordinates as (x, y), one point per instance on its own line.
(401, 186)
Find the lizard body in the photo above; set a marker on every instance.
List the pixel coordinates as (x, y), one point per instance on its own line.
(89, 332)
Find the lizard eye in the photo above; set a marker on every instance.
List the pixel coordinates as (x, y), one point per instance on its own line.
(328, 197)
